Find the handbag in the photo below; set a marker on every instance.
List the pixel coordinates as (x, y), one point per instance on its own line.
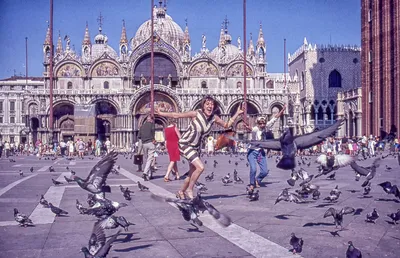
(138, 159)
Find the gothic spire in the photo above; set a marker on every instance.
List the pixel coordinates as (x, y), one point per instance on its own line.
(261, 41)
(250, 50)
(47, 39)
(221, 37)
(124, 38)
(186, 38)
(86, 38)
(59, 48)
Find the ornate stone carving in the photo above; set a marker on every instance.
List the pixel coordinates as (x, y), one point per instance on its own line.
(204, 68)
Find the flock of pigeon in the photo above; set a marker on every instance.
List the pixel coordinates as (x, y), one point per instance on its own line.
(104, 209)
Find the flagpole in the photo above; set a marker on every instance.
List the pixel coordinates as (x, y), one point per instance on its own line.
(244, 64)
(152, 61)
(51, 72)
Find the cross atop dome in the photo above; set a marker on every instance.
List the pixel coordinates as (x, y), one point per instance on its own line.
(100, 21)
(225, 24)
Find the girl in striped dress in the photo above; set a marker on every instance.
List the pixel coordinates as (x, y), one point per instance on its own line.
(189, 143)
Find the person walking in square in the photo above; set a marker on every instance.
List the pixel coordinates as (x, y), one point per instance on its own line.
(257, 155)
(189, 144)
(172, 136)
(147, 134)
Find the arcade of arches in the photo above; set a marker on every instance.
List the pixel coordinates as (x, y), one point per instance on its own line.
(122, 129)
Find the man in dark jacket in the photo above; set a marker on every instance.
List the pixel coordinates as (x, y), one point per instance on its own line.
(146, 134)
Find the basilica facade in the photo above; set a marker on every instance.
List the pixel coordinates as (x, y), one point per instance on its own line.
(105, 93)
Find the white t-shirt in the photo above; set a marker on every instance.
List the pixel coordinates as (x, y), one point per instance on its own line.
(108, 144)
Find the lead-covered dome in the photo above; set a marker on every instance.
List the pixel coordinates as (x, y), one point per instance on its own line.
(164, 26)
(225, 53)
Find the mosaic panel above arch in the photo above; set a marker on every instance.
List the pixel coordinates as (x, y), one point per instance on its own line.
(237, 70)
(161, 101)
(69, 70)
(105, 69)
(204, 68)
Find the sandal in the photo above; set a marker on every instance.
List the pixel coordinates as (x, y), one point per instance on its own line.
(166, 179)
(180, 195)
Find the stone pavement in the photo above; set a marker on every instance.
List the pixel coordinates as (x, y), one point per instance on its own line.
(260, 229)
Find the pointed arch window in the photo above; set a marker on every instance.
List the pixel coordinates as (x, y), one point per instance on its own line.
(106, 85)
(335, 79)
(303, 81)
(69, 86)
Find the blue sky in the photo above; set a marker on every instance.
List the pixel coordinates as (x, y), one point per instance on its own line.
(321, 21)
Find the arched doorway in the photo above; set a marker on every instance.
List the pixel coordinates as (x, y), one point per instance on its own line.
(34, 125)
(67, 127)
(142, 109)
(60, 112)
(164, 70)
(277, 127)
(105, 113)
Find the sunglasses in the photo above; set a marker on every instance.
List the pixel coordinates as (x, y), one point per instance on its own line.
(262, 123)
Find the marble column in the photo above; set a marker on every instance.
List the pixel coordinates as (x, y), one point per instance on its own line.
(359, 124)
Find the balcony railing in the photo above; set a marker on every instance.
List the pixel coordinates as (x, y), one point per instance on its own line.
(180, 91)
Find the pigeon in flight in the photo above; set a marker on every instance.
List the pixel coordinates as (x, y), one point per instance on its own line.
(104, 207)
(334, 162)
(96, 180)
(369, 172)
(353, 252)
(390, 189)
(296, 243)
(289, 144)
(190, 209)
(22, 219)
(338, 214)
(98, 247)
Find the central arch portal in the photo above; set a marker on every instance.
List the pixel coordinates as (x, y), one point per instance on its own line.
(164, 70)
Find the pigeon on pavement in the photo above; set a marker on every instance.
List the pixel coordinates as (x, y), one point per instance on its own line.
(372, 217)
(296, 243)
(57, 210)
(112, 222)
(288, 197)
(142, 187)
(395, 216)
(55, 182)
(22, 219)
(353, 252)
(44, 202)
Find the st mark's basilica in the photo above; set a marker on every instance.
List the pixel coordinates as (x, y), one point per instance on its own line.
(104, 92)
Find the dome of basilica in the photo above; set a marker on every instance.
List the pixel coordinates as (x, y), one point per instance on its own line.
(226, 53)
(99, 49)
(164, 26)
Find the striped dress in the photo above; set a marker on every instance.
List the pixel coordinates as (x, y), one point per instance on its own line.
(189, 143)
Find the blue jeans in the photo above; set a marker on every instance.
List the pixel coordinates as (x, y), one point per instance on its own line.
(253, 157)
